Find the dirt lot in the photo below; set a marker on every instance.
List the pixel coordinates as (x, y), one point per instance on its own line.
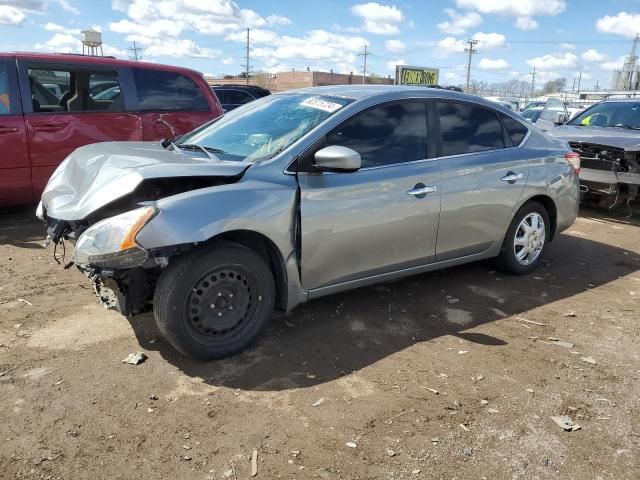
(435, 376)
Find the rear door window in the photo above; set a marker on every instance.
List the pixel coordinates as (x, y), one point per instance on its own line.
(468, 128)
(72, 89)
(238, 97)
(516, 130)
(159, 90)
(385, 134)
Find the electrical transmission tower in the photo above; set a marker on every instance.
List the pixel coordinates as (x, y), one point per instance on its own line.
(364, 54)
(471, 50)
(247, 69)
(133, 52)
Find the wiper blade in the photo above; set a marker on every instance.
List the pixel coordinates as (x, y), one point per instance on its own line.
(206, 150)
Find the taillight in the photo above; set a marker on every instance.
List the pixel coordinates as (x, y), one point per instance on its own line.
(574, 159)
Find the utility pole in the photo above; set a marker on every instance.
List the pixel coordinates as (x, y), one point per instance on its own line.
(470, 50)
(533, 82)
(246, 65)
(579, 80)
(597, 85)
(134, 52)
(364, 54)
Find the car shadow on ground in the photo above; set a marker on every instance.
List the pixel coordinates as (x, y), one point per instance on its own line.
(20, 227)
(333, 336)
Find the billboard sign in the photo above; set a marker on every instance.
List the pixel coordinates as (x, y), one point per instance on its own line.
(416, 76)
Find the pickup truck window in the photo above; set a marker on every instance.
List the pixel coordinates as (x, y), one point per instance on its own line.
(5, 106)
(61, 90)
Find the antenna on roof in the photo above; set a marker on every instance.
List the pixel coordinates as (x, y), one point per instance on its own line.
(92, 42)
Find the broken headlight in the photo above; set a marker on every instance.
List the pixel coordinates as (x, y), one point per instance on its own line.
(112, 242)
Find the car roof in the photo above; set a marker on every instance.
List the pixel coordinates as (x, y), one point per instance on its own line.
(94, 60)
(359, 92)
(622, 99)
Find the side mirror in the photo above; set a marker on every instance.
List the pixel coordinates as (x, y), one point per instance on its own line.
(338, 159)
(560, 119)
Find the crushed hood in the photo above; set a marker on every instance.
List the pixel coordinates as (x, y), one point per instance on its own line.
(96, 175)
(614, 137)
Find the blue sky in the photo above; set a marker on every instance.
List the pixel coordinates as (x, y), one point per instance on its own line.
(560, 38)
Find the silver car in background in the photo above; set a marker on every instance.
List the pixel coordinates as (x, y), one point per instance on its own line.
(302, 194)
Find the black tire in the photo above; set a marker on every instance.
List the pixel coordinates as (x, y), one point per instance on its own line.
(213, 302)
(507, 261)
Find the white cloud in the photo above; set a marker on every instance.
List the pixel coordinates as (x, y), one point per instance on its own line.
(395, 46)
(490, 41)
(613, 64)
(54, 27)
(11, 15)
(156, 28)
(567, 46)
(497, 64)
(256, 35)
(459, 22)
(379, 19)
(391, 65)
(68, 43)
(526, 23)
(182, 47)
(277, 20)
(449, 45)
(521, 8)
(555, 61)
(67, 6)
(623, 23)
(592, 55)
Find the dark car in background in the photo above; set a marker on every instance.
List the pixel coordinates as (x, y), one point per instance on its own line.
(51, 104)
(607, 138)
(234, 96)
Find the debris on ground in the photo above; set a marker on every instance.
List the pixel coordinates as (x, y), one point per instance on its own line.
(570, 314)
(533, 322)
(318, 402)
(477, 378)
(560, 343)
(390, 452)
(352, 444)
(254, 462)
(565, 423)
(135, 358)
(22, 300)
(589, 360)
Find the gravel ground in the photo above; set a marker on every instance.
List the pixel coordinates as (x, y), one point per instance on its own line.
(452, 374)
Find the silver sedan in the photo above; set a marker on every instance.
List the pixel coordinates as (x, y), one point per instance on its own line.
(304, 194)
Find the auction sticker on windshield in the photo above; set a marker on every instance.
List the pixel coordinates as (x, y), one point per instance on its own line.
(318, 103)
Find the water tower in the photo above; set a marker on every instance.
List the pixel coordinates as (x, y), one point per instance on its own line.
(91, 42)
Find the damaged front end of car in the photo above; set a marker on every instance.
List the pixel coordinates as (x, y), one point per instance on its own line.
(98, 202)
(609, 175)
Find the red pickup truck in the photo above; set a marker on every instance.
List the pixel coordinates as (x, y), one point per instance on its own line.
(51, 104)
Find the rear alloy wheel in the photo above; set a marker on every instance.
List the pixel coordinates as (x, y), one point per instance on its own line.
(525, 241)
(213, 303)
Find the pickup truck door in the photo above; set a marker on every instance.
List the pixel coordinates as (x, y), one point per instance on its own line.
(15, 171)
(381, 218)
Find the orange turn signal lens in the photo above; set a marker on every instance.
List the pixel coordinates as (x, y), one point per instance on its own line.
(129, 240)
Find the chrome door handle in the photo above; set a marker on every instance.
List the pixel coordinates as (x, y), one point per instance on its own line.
(422, 190)
(512, 177)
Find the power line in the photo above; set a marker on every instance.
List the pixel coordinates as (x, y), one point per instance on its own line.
(471, 50)
(364, 54)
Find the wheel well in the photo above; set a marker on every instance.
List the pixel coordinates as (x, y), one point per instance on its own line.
(550, 206)
(264, 247)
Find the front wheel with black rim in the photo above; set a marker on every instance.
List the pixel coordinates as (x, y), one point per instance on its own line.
(213, 302)
(525, 241)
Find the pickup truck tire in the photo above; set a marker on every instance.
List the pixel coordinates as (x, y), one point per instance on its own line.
(213, 302)
(525, 241)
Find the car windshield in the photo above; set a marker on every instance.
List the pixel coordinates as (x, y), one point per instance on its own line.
(263, 128)
(531, 114)
(610, 114)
